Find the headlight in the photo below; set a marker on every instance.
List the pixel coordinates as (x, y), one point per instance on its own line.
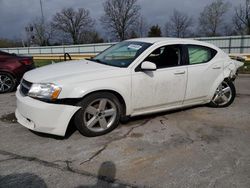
(44, 91)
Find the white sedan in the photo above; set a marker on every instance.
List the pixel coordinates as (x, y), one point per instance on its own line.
(131, 78)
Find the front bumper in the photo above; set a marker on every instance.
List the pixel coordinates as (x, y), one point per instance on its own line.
(43, 117)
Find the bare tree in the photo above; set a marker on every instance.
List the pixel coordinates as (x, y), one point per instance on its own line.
(212, 17)
(142, 27)
(179, 24)
(73, 22)
(120, 16)
(241, 18)
(39, 32)
(229, 30)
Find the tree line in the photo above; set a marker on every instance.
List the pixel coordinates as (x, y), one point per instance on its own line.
(122, 19)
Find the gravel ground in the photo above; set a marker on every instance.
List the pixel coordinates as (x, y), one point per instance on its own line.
(195, 147)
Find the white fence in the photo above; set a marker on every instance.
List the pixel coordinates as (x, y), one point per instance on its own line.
(71, 49)
(232, 44)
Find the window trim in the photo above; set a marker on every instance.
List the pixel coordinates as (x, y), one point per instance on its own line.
(197, 45)
(183, 57)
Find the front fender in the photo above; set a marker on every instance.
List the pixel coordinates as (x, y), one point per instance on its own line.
(122, 86)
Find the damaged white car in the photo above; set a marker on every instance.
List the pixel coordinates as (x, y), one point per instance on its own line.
(131, 78)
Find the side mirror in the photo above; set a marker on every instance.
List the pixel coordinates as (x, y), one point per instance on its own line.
(148, 66)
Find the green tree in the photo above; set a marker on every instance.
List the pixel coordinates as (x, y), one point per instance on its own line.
(155, 31)
(7, 43)
(133, 35)
(91, 37)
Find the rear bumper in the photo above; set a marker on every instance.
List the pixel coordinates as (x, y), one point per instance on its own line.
(43, 117)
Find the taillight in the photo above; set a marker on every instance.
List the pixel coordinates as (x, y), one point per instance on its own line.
(26, 61)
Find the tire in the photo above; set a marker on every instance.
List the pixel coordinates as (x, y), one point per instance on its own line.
(99, 115)
(224, 95)
(7, 82)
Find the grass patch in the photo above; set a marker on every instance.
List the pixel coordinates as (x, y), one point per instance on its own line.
(43, 62)
(246, 68)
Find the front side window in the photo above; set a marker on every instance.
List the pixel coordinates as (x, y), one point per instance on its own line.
(200, 54)
(122, 54)
(165, 56)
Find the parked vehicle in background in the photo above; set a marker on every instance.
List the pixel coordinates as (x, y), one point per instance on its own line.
(12, 69)
(134, 77)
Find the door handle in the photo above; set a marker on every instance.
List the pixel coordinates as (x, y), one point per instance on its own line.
(180, 72)
(217, 67)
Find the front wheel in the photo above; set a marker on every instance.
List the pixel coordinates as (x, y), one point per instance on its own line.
(224, 95)
(100, 114)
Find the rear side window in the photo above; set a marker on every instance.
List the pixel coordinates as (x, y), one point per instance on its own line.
(200, 54)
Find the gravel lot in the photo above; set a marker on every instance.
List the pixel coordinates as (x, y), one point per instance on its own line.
(196, 147)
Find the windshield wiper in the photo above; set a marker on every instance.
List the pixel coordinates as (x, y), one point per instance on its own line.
(97, 61)
(104, 63)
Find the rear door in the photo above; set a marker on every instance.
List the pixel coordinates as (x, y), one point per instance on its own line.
(203, 69)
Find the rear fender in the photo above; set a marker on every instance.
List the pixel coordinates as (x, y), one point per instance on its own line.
(229, 72)
(215, 85)
(230, 69)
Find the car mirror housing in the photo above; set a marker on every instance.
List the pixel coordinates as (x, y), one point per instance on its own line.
(148, 66)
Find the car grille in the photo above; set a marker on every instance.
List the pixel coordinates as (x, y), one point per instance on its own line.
(25, 87)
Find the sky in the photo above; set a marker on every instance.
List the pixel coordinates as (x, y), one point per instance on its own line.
(16, 14)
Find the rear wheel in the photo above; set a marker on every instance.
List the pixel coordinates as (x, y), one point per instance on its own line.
(224, 95)
(100, 114)
(7, 82)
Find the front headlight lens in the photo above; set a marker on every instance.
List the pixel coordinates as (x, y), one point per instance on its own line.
(46, 91)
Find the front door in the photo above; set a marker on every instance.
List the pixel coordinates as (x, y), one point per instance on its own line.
(163, 88)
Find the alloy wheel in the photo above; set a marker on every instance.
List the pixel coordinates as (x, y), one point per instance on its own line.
(6, 83)
(223, 94)
(100, 115)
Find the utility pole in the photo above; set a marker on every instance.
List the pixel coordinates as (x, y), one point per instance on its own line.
(43, 21)
(41, 6)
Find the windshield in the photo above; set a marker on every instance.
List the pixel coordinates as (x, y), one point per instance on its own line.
(121, 54)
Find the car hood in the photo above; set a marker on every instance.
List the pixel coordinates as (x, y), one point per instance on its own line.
(59, 72)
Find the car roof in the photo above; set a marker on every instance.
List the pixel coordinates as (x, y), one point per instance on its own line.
(154, 40)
